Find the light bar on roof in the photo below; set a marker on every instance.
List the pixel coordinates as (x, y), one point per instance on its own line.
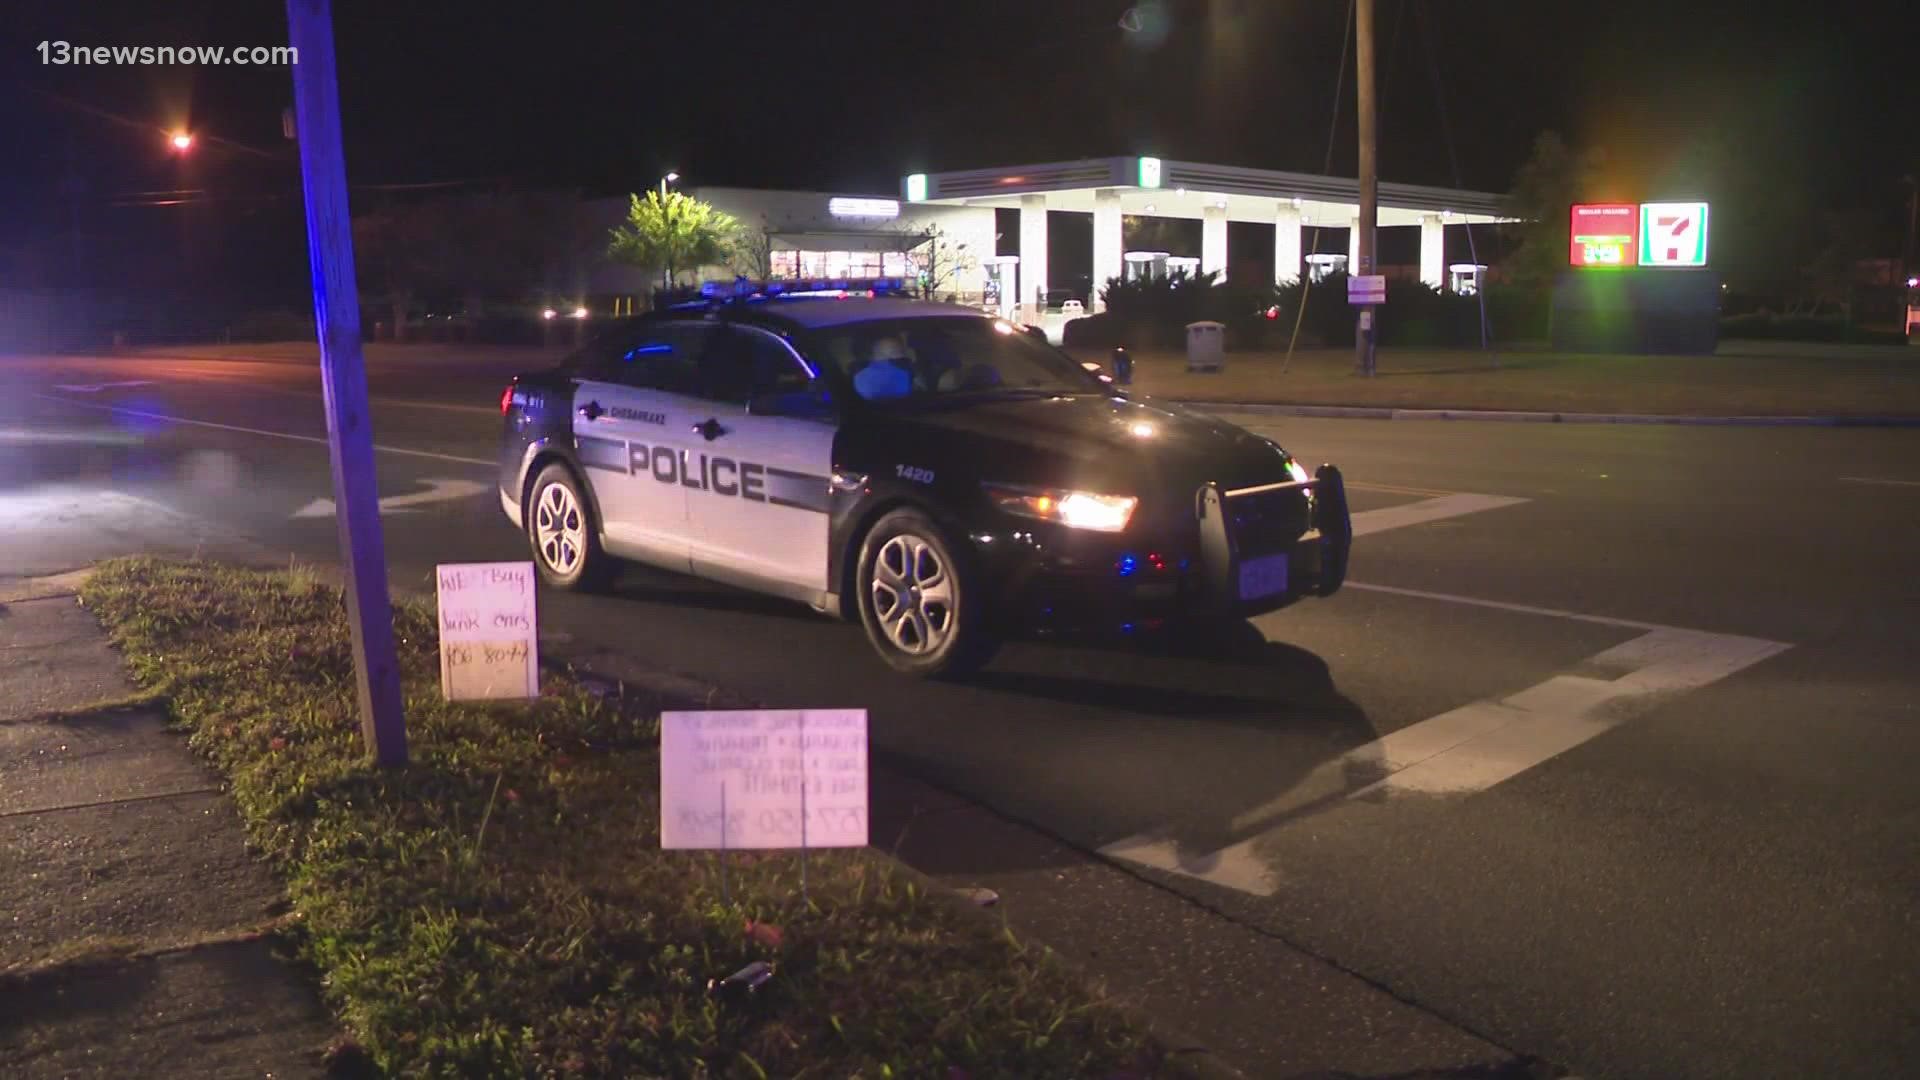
(863, 208)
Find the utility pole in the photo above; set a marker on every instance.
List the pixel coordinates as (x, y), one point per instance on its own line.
(343, 379)
(1369, 179)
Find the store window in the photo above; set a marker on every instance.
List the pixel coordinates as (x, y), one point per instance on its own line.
(894, 264)
(785, 264)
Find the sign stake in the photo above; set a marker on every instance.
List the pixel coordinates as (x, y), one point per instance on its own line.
(343, 380)
(804, 902)
(724, 901)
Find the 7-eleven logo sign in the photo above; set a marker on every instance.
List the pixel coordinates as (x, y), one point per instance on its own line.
(1673, 234)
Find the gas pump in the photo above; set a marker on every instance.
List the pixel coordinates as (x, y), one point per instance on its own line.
(1464, 278)
(998, 293)
(1144, 265)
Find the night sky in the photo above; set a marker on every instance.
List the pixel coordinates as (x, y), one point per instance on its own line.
(850, 96)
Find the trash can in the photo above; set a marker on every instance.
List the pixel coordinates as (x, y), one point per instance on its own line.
(1206, 345)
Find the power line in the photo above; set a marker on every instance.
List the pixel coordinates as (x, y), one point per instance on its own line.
(1453, 159)
(1333, 131)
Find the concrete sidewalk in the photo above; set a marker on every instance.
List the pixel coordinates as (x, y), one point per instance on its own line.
(134, 924)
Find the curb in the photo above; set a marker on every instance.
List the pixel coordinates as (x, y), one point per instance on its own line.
(1376, 412)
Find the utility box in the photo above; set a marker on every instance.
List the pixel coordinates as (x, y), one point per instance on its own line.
(1206, 345)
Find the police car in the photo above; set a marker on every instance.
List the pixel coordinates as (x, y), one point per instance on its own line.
(927, 470)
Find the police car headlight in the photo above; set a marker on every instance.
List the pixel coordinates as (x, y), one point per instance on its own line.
(1075, 509)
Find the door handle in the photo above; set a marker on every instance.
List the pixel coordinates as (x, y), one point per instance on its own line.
(711, 428)
(592, 410)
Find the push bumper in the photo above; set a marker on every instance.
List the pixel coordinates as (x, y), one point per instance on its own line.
(1239, 574)
(1065, 579)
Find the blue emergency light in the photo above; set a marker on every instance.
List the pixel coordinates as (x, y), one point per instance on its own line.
(742, 289)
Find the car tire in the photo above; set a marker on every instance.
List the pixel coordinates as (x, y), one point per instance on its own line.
(921, 601)
(564, 537)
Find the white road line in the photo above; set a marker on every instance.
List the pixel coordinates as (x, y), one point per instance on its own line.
(94, 388)
(1397, 489)
(259, 431)
(1505, 738)
(1470, 749)
(1428, 510)
(1502, 605)
(439, 489)
(245, 386)
(1879, 480)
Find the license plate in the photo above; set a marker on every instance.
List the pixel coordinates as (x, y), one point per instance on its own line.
(1263, 577)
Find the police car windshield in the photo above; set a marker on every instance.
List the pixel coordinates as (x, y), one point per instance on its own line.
(931, 359)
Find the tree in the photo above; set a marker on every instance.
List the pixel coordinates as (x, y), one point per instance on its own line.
(472, 248)
(1548, 183)
(750, 251)
(675, 234)
(404, 252)
(1832, 276)
(1170, 235)
(944, 261)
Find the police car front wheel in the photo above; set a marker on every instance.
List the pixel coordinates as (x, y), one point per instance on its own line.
(917, 599)
(561, 530)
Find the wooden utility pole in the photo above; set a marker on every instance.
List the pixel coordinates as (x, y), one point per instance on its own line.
(1363, 259)
(343, 379)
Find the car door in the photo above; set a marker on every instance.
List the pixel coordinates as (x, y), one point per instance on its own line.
(764, 460)
(633, 410)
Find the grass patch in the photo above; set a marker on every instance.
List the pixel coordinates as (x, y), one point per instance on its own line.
(563, 941)
(1743, 379)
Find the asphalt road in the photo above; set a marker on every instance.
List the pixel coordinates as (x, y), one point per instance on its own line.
(1605, 755)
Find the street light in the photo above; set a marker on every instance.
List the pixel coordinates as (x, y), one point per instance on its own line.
(182, 141)
(666, 275)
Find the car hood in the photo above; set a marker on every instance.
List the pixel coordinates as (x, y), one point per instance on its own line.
(1107, 443)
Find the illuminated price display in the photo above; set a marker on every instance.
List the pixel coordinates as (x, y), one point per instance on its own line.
(1604, 234)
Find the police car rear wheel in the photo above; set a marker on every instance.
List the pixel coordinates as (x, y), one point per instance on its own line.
(914, 599)
(566, 546)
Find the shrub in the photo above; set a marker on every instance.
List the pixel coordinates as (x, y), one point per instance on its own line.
(1765, 325)
(1155, 314)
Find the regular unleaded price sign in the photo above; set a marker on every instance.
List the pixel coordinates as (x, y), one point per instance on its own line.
(763, 778)
(488, 631)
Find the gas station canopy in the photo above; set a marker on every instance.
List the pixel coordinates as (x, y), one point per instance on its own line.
(1185, 189)
(1114, 188)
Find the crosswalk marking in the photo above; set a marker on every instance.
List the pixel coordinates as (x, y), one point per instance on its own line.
(1473, 747)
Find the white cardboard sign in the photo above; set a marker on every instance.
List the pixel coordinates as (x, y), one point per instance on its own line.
(489, 631)
(1367, 289)
(763, 778)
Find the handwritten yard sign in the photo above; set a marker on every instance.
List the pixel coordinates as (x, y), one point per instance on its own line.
(488, 631)
(763, 778)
